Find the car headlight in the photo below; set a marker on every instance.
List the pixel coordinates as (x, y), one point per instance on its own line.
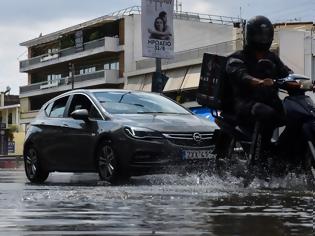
(142, 133)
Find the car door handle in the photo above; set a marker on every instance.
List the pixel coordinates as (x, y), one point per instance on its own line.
(65, 125)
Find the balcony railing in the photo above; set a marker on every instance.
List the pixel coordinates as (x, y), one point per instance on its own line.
(182, 15)
(109, 44)
(220, 48)
(28, 115)
(103, 76)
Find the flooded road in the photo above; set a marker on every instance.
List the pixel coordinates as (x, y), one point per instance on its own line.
(79, 204)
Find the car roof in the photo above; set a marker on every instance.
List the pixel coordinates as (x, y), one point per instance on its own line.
(90, 91)
(103, 90)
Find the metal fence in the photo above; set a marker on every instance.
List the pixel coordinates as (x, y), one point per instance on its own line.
(182, 15)
(62, 81)
(62, 53)
(108, 76)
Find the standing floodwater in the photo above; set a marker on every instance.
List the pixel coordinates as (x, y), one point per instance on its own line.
(78, 204)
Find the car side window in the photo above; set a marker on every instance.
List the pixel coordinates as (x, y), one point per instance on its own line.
(94, 113)
(80, 101)
(59, 107)
(48, 108)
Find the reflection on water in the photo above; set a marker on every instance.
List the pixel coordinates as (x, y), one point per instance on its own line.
(153, 205)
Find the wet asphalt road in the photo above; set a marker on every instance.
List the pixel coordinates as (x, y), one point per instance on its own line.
(79, 204)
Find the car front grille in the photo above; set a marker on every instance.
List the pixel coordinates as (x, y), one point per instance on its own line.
(187, 139)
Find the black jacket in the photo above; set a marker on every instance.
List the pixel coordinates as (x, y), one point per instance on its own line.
(241, 67)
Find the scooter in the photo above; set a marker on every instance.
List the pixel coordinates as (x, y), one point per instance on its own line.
(239, 149)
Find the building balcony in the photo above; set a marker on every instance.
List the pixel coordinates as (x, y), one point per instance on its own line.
(193, 56)
(65, 84)
(27, 117)
(107, 44)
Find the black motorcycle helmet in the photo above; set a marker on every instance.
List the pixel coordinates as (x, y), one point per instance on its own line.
(258, 34)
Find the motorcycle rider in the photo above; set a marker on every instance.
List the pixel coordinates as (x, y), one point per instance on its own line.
(251, 76)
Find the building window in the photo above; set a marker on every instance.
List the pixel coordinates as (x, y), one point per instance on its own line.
(10, 118)
(114, 66)
(106, 66)
(59, 107)
(111, 66)
(87, 70)
(52, 51)
(53, 77)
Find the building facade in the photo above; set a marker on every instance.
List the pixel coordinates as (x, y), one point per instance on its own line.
(106, 53)
(12, 133)
(295, 43)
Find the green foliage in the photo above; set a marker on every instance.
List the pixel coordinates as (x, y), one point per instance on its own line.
(11, 130)
(67, 41)
(95, 35)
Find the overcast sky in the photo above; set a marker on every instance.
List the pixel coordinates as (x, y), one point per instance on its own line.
(22, 20)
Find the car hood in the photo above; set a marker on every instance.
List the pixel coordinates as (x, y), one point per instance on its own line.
(167, 122)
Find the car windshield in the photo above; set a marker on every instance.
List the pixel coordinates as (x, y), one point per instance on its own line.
(120, 102)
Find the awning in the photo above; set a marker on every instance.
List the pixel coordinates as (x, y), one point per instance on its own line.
(147, 83)
(192, 78)
(134, 83)
(176, 78)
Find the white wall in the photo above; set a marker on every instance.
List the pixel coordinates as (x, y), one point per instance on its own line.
(193, 34)
(129, 43)
(296, 48)
(187, 35)
(291, 49)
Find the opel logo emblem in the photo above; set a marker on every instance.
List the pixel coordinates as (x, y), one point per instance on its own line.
(197, 137)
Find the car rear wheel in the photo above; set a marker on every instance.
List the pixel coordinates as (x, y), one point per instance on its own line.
(33, 170)
(107, 163)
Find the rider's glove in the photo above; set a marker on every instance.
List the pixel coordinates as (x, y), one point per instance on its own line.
(306, 85)
(266, 82)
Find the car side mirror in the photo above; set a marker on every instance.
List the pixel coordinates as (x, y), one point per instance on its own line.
(80, 114)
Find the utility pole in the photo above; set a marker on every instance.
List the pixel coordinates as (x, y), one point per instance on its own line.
(158, 63)
(178, 6)
(71, 70)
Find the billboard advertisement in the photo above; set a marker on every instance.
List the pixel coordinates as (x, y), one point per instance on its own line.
(157, 28)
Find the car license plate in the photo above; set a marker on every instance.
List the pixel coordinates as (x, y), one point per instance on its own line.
(197, 154)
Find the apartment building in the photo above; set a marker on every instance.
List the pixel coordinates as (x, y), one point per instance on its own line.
(11, 132)
(106, 53)
(296, 44)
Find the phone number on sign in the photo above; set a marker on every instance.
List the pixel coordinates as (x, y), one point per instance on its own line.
(159, 44)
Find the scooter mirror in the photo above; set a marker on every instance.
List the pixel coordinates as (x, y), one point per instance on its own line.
(298, 77)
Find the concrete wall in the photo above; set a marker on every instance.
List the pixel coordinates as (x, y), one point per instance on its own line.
(25, 104)
(297, 51)
(291, 49)
(129, 43)
(187, 35)
(19, 140)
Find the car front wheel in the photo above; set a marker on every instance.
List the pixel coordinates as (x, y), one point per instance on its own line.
(33, 170)
(107, 163)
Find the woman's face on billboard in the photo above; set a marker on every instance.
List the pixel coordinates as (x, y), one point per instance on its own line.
(159, 24)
